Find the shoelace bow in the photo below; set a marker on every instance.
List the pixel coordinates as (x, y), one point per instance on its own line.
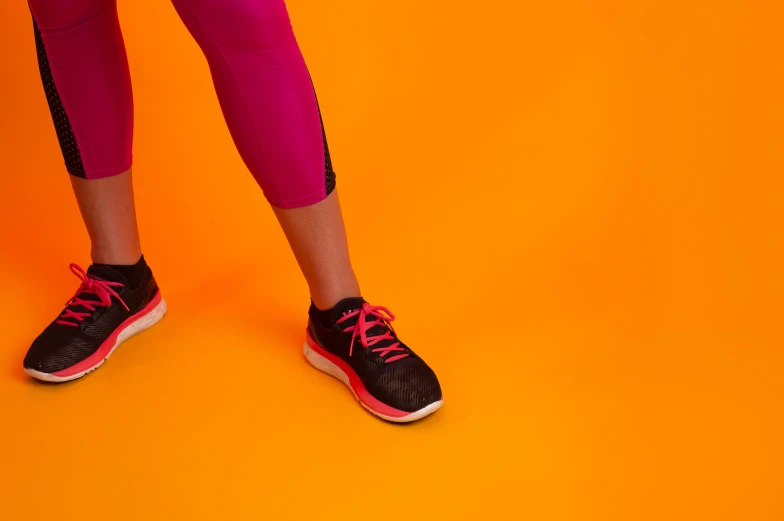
(101, 288)
(381, 316)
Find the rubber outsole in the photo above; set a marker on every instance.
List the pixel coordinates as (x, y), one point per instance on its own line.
(323, 364)
(146, 321)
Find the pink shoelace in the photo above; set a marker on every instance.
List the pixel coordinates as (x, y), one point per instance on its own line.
(102, 288)
(382, 316)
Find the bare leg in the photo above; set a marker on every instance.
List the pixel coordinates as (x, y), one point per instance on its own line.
(318, 239)
(109, 214)
(83, 66)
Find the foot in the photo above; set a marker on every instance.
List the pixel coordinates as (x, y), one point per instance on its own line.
(359, 347)
(102, 314)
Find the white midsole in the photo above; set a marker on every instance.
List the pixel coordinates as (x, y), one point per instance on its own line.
(145, 322)
(325, 365)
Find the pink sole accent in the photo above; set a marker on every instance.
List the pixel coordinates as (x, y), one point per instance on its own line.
(361, 393)
(106, 347)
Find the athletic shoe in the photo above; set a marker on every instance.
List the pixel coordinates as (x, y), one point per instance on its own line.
(90, 329)
(361, 349)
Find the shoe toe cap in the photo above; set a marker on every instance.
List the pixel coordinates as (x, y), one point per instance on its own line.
(51, 353)
(409, 387)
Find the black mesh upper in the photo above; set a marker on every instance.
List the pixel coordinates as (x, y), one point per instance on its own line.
(60, 347)
(56, 350)
(410, 383)
(407, 384)
(62, 126)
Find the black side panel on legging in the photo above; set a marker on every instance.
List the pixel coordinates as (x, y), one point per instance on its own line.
(73, 160)
(329, 173)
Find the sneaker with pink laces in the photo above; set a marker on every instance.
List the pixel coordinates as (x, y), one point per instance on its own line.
(102, 314)
(356, 344)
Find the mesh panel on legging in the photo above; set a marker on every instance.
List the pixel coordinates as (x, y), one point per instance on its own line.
(65, 135)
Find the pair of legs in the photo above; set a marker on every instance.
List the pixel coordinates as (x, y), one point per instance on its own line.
(267, 99)
(271, 110)
(316, 235)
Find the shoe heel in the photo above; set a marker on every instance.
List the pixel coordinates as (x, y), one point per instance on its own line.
(147, 321)
(324, 365)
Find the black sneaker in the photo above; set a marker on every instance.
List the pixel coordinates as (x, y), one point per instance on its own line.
(101, 315)
(362, 350)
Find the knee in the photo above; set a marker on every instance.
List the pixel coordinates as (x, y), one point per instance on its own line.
(247, 25)
(57, 15)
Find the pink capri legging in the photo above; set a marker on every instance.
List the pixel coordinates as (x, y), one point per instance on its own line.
(261, 79)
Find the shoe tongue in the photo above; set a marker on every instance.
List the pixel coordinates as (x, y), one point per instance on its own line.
(99, 272)
(107, 273)
(346, 305)
(352, 304)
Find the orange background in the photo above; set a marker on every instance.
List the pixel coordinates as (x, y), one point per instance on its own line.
(574, 208)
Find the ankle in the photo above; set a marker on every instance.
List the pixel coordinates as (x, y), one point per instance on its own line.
(116, 256)
(326, 299)
(326, 316)
(134, 273)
